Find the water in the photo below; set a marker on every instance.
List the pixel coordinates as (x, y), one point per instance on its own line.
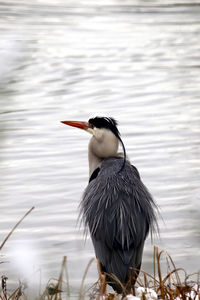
(137, 61)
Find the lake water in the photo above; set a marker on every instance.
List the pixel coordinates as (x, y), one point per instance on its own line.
(137, 61)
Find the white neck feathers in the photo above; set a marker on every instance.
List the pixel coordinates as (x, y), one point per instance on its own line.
(103, 144)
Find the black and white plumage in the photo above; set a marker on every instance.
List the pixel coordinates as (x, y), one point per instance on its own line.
(116, 206)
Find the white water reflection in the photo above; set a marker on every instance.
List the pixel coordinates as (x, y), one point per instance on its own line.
(136, 62)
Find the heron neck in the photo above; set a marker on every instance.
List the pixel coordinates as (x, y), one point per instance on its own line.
(94, 162)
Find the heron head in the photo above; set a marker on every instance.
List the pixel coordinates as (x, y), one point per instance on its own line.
(106, 137)
(96, 126)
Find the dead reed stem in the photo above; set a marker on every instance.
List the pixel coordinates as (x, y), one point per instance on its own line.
(5, 240)
(83, 279)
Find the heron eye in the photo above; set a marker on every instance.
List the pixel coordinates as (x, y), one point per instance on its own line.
(91, 126)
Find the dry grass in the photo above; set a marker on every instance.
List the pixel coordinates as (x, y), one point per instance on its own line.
(173, 283)
(53, 290)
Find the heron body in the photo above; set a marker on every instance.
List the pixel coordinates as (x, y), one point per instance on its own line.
(116, 206)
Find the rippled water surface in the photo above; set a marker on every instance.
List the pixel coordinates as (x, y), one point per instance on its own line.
(137, 61)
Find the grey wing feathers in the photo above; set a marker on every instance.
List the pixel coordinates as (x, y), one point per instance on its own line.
(119, 212)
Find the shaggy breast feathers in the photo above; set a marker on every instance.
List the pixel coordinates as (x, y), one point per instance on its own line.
(114, 204)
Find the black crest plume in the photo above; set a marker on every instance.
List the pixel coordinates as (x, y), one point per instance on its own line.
(111, 124)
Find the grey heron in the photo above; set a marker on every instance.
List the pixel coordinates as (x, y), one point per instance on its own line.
(116, 206)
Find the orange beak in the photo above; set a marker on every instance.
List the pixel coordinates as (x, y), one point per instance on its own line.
(78, 124)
